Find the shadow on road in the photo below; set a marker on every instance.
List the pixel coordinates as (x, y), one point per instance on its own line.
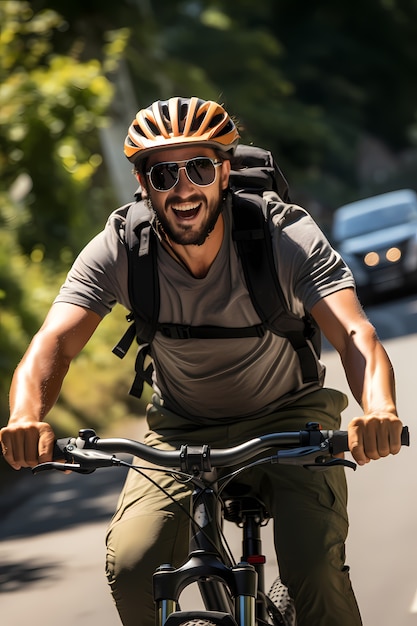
(15, 575)
(62, 501)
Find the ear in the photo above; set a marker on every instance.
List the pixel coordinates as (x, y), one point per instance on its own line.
(142, 182)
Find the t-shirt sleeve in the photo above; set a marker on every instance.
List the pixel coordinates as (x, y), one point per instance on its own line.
(98, 277)
(309, 268)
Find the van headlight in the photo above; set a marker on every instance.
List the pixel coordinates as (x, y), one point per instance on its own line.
(372, 259)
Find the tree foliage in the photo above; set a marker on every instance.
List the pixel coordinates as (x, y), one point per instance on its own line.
(50, 107)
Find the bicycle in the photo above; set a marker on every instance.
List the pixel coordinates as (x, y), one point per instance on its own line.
(233, 593)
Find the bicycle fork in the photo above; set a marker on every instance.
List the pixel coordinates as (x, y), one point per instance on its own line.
(226, 590)
(205, 567)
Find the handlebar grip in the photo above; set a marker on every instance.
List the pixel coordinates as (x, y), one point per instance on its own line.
(57, 453)
(405, 436)
(340, 440)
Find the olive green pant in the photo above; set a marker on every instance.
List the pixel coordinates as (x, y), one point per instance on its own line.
(308, 508)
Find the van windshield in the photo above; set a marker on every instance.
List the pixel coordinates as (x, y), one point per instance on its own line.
(356, 224)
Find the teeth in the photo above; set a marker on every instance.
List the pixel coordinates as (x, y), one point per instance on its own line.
(185, 207)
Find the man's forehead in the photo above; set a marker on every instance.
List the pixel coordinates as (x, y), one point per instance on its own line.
(180, 154)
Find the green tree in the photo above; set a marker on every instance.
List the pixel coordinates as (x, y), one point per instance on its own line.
(51, 105)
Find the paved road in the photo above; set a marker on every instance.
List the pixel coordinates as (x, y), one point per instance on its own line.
(382, 546)
(52, 551)
(52, 538)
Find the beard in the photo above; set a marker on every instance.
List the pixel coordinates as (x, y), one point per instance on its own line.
(185, 235)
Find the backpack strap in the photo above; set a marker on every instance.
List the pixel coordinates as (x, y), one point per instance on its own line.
(142, 253)
(253, 239)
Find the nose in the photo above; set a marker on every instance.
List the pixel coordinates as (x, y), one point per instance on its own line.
(183, 180)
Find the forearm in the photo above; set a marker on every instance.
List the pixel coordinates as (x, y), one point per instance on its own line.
(377, 432)
(27, 440)
(369, 371)
(39, 376)
(38, 379)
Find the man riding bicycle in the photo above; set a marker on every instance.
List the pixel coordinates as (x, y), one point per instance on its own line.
(219, 391)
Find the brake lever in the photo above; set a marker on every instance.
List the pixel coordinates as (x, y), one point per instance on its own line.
(311, 457)
(62, 467)
(88, 461)
(323, 463)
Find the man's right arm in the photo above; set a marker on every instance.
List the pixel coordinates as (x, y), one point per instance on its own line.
(37, 381)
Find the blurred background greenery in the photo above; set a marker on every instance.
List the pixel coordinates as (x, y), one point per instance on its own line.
(329, 87)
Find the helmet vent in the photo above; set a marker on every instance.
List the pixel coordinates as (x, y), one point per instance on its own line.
(217, 119)
(183, 112)
(197, 122)
(228, 128)
(153, 128)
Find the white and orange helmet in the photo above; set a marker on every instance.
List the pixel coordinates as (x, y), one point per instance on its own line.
(178, 121)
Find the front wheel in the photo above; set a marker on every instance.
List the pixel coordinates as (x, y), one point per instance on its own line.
(280, 598)
(200, 618)
(198, 622)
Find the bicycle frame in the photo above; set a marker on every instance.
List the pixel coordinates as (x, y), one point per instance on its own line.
(225, 589)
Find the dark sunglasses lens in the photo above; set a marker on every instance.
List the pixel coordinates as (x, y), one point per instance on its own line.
(201, 171)
(164, 176)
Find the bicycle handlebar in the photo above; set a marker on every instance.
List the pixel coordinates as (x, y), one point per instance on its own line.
(311, 447)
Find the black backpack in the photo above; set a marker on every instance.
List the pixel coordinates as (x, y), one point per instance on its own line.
(253, 173)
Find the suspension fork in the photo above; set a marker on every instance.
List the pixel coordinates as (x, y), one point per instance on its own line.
(207, 565)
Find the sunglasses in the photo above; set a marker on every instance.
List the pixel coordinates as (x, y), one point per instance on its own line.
(200, 171)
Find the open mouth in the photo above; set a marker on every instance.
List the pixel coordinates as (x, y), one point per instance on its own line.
(186, 211)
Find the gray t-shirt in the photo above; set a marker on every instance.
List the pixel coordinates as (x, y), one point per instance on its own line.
(217, 378)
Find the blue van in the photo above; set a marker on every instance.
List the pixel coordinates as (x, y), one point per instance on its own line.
(377, 237)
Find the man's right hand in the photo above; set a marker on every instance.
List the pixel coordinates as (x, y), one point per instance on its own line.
(27, 443)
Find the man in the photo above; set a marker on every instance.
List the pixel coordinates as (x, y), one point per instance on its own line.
(216, 391)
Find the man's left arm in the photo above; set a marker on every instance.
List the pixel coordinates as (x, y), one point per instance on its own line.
(369, 372)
